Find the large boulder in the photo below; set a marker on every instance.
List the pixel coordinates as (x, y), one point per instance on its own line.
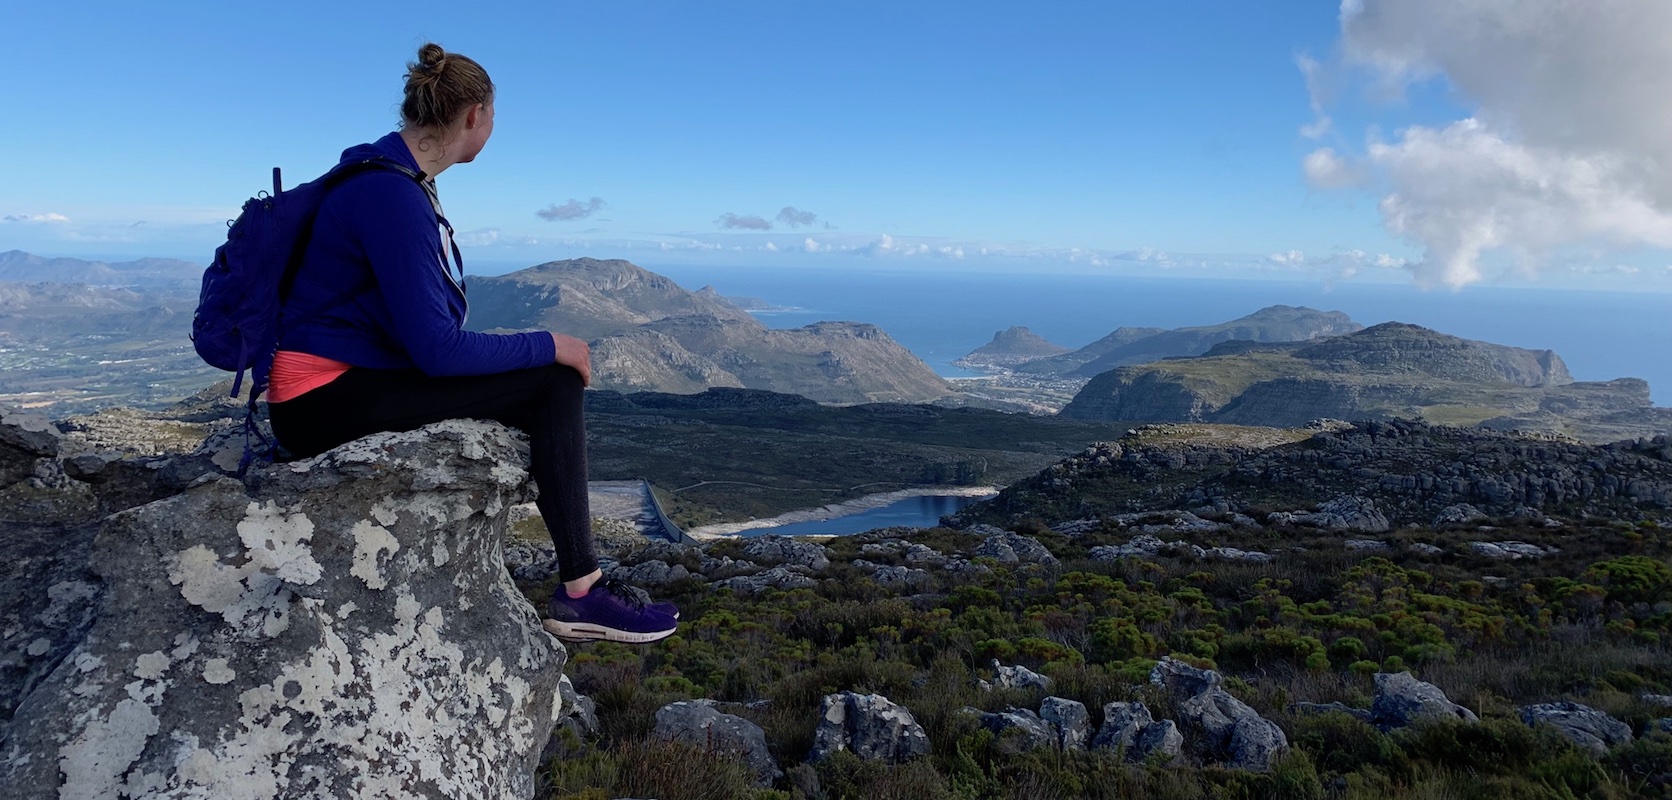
(1019, 730)
(1129, 728)
(868, 725)
(1401, 699)
(337, 627)
(1585, 726)
(1016, 676)
(699, 724)
(1069, 719)
(1229, 729)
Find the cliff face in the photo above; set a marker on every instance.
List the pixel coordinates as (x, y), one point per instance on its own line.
(1388, 371)
(346, 628)
(648, 334)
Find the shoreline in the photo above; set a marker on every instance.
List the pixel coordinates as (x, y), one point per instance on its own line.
(722, 530)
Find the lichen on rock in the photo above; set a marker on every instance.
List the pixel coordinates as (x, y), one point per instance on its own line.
(223, 660)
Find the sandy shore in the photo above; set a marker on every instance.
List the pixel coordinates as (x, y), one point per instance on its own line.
(870, 501)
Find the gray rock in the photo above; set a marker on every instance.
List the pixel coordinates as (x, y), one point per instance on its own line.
(1019, 677)
(870, 726)
(1160, 740)
(1019, 731)
(1351, 513)
(920, 555)
(1585, 726)
(1069, 719)
(1229, 729)
(580, 713)
(1426, 549)
(895, 576)
(983, 529)
(1401, 699)
(1657, 700)
(1661, 725)
(1140, 546)
(699, 724)
(530, 563)
(772, 549)
(1078, 527)
(1366, 544)
(1233, 554)
(1510, 551)
(1458, 514)
(1014, 548)
(340, 626)
(964, 568)
(1122, 721)
(775, 578)
(653, 573)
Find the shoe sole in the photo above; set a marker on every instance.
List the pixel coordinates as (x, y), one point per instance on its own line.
(582, 632)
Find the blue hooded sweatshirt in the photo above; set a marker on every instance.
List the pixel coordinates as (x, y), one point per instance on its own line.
(376, 287)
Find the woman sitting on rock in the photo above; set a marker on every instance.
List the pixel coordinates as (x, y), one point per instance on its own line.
(373, 339)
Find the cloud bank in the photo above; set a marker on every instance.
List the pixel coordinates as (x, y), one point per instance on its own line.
(574, 209)
(735, 222)
(1569, 142)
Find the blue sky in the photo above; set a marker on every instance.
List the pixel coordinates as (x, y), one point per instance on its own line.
(1197, 138)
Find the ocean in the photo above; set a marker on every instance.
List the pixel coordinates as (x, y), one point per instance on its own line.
(941, 316)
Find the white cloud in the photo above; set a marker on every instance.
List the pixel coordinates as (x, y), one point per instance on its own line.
(1327, 170)
(1465, 189)
(1568, 138)
(1315, 76)
(1293, 258)
(47, 218)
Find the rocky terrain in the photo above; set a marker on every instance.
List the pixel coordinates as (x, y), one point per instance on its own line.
(1388, 371)
(1188, 611)
(650, 334)
(1127, 346)
(1373, 476)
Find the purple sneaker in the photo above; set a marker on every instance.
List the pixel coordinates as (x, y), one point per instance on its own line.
(613, 611)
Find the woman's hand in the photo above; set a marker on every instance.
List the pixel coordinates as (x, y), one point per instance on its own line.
(574, 353)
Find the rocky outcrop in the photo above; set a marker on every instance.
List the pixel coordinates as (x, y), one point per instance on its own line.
(1228, 729)
(1401, 700)
(869, 726)
(1014, 548)
(699, 724)
(1587, 727)
(1016, 676)
(773, 549)
(1395, 473)
(341, 626)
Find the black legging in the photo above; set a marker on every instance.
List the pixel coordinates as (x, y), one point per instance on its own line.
(543, 402)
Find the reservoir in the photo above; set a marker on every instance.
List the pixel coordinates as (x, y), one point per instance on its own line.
(918, 512)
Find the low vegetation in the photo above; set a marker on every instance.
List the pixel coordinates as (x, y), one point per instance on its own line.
(1593, 625)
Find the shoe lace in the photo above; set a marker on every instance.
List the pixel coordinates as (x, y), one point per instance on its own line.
(633, 595)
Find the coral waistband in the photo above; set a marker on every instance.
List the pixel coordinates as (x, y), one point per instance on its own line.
(295, 374)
